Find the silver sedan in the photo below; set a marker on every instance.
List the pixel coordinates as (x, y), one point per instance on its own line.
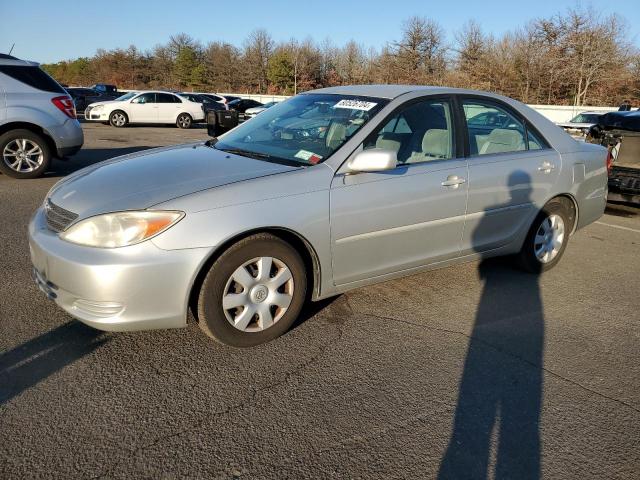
(331, 190)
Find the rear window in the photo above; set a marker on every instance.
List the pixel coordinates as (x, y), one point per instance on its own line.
(32, 76)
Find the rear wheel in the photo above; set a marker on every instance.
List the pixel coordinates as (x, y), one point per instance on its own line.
(118, 119)
(253, 292)
(184, 120)
(547, 238)
(25, 154)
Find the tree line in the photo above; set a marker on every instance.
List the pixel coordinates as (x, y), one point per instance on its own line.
(578, 57)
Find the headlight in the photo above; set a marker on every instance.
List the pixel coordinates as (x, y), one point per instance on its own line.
(97, 108)
(120, 229)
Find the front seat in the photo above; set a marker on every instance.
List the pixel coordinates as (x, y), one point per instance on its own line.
(503, 140)
(436, 145)
(336, 135)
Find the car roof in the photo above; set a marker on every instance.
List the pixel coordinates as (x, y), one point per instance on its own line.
(394, 91)
(9, 60)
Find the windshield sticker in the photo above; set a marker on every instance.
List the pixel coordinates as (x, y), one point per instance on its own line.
(310, 157)
(355, 105)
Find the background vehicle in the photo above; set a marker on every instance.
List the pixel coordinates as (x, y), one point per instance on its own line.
(582, 122)
(105, 88)
(37, 119)
(203, 99)
(241, 227)
(240, 105)
(620, 133)
(146, 107)
(85, 96)
(253, 111)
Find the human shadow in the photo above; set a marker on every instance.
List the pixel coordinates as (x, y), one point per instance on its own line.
(28, 364)
(499, 399)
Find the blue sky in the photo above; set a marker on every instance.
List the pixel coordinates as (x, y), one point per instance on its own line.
(53, 30)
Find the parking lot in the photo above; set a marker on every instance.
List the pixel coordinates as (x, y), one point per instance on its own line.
(472, 371)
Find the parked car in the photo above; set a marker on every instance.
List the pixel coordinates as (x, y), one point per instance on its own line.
(37, 119)
(328, 191)
(146, 107)
(620, 133)
(205, 100)
(106, 88)
(241, 105)
(582, 122)
(84, 96)
(253, 111)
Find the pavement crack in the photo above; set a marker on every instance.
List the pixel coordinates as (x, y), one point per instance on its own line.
(506, 352)
(255, 392)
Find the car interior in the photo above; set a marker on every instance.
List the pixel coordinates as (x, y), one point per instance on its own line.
(421, 132)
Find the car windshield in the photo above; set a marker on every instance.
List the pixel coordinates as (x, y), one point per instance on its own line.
(303, 130)
(585, 118)
(127, 96)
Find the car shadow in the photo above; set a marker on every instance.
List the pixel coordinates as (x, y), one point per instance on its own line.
(497, 419)
(35, 360)
(87, 157)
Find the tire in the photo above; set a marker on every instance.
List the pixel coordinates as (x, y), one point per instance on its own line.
(256, 296)
(118, 119)
(15, 144)
(532, 257)
(184, 120)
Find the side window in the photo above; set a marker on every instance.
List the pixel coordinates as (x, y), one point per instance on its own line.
(493, 129)
(145, 98)
(420, 132)
(535, 143)
(167, 98)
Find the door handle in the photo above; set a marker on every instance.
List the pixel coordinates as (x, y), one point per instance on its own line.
(546, 167)
(453, 181)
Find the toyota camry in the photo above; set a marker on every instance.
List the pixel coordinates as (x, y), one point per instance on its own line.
(330, 190)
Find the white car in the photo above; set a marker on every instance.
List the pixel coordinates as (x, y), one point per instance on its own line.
(252, 112)
(146, 107)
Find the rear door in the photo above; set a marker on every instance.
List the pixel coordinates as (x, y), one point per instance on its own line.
(395, 220)
(511, 173)
(168, 107)
(143, 108)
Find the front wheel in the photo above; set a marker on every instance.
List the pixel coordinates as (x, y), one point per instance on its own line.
(118, 119)
(253, 292)
(184, 120)
(25, 154)
(547, 238)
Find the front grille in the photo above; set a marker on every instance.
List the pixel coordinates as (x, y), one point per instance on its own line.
(58, 218)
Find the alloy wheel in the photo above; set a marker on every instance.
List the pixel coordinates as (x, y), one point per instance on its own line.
(23, 155)
(549, 238)
(184, 121)
(118, 119)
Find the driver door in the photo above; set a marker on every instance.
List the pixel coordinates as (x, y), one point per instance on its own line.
(143, 108)
(411, 216)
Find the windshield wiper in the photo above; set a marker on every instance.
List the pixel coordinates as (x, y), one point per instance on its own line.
(246, 153)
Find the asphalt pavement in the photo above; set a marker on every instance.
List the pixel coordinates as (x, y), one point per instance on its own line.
(473, 371)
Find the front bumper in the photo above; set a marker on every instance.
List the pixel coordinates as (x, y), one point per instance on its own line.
(140, 287)
(100, 115)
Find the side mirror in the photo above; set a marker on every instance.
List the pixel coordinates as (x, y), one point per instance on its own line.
(373, 160)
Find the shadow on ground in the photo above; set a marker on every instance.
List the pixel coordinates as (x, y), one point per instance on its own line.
(35, 360)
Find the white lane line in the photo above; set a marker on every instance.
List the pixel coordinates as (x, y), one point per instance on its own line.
(619, 226)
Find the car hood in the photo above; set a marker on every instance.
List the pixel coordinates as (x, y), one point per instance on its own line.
(104, 103)
(141, 180)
